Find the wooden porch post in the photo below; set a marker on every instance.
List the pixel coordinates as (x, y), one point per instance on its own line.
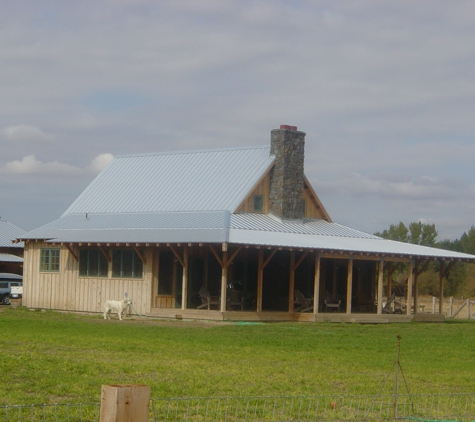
(335, 268)
(409, 287)
(260, 276)
(206, 267)
(349, 284)
(379, 302)
(316, 285)
(260, 279)
(441, 286)
(416, 288)
(184, 286)
(390, 279)
(291, 281)
(224, 280)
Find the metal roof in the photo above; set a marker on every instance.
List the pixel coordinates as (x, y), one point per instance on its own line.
(203, 180)
(267, 230)
(7, 257)
(8, 232)
(176, 227)
(224, 227)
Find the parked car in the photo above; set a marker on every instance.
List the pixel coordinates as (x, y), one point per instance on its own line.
(7, 280)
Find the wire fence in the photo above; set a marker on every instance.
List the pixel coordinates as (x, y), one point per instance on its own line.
(423, 408)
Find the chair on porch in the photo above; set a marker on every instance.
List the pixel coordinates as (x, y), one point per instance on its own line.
(207, 300)
(233, 300)
(331, 303)
(303, 304)
(387, 308)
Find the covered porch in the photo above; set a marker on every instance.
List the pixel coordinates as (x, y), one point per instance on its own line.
(258, 283)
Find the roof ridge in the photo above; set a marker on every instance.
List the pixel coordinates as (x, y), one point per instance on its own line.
(194, 151)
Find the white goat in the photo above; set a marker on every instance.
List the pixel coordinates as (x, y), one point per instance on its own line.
(119, 306)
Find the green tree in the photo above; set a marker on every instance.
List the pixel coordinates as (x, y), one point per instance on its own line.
(467, 241)
(397, 232)
(417, 233)
(422, 234)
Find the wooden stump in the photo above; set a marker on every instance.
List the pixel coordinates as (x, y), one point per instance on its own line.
(15, 303)
(125, 403)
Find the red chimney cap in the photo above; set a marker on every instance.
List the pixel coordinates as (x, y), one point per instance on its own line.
(287, 127)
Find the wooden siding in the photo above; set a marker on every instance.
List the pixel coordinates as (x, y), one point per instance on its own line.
(65, 290)
(262, 188)
(313, 207)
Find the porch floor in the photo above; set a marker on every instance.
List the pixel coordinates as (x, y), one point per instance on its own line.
(361, 318)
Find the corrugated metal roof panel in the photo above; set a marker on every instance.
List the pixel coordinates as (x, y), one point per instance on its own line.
(255, 229)
(270, 223)
(6, 257)
(8, 232)
(204, 226)
(221, 226)
(178, 181)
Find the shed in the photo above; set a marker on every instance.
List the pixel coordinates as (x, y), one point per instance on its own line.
(11, 253)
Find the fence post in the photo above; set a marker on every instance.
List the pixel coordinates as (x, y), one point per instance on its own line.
(125, 403)
(451, 306)
(468, 309)
(433, 304)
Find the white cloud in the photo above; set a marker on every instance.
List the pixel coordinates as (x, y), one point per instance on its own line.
(397, 188)
(25, 133)
(379, 87)
(100, 162)
(30, 165)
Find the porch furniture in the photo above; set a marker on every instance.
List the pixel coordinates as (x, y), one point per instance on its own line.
(388, 307)
(303, 303)
(332, 305)
(208, 300)
(234, 301)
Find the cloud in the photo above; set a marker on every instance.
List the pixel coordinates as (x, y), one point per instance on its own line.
(25, 133)
(397, 188)
(29, 165)
(100, 162)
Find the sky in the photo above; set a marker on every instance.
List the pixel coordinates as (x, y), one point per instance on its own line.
(385, 91)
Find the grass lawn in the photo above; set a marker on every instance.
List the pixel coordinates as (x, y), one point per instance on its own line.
(52, 357)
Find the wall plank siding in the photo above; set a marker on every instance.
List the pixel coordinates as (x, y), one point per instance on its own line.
(312, 207)
(65, 290)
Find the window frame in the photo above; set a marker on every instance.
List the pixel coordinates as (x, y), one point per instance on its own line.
(100, 263)
(124, 266)
(49, 262)
(258, 197)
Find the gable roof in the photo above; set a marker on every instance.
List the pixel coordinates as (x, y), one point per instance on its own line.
(191, 197)
(203, 180)
(9, 232)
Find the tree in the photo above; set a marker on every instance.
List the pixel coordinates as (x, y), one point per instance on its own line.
(418, 233)
(422, 234)
(396, 232)
(467, 241)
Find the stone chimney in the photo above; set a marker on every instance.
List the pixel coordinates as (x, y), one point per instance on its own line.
(286, 178)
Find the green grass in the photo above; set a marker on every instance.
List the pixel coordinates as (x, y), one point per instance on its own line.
(52, 357)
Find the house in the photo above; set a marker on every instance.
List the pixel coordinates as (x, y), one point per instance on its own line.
(225, 234)
(11, 254)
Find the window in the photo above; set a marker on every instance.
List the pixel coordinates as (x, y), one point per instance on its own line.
(92, 263)
(126, 264)
(49, 260)
(258, 203)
